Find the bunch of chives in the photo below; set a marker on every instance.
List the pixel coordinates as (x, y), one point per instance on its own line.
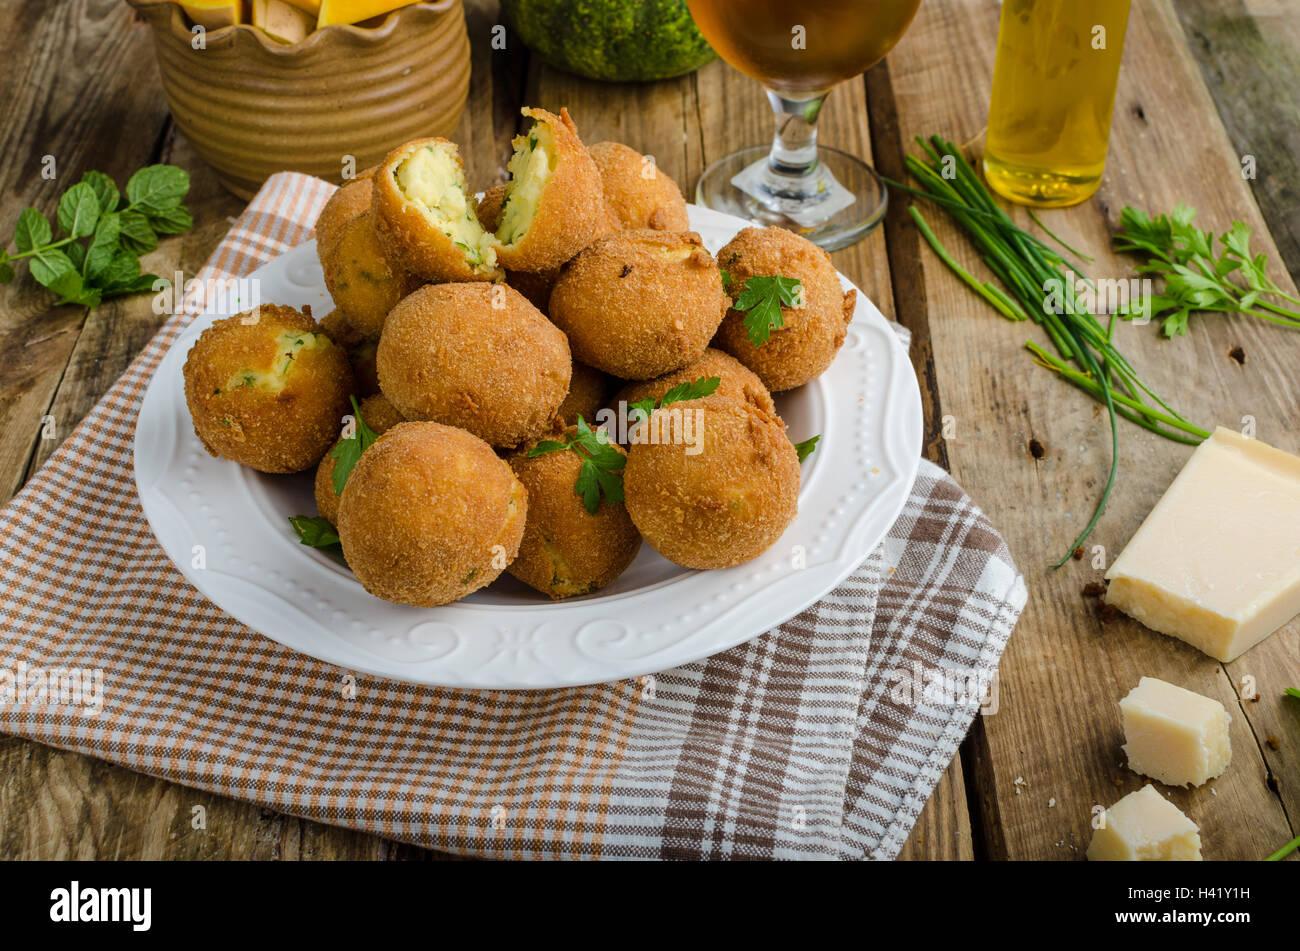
(1085, 355)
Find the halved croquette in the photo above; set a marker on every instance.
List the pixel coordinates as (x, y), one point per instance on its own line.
(267, 388)
(430, 514)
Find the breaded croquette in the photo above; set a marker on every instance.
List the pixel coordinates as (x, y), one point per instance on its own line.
(718, 484)
(812, 331)
(588, 388)
(267, 388)
(478, 356)
(430, 514)
(566, 550)
(734, 379)
(425, 216)
(638, 193)
(638, 304)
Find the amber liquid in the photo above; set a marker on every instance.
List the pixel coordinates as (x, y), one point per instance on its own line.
(801, 49)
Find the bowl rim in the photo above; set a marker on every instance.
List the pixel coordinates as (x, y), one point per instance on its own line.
(180, 28)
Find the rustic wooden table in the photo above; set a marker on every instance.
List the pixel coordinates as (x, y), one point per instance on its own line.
(1205, 83)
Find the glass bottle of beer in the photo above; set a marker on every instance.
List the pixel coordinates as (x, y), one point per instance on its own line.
(1054, 85)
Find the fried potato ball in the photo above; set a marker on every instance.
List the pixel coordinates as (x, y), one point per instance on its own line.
(812, 333)
(477, 356)
(639, 194)
(425, 217)
(638, 304)
(587, 390)
(361, 278)
(351, 199)
(266, 388)
(553, 206)
(734, 380)
(566, 550)
(714, 483)
(380, 416)
(338, 328)
(430, 514)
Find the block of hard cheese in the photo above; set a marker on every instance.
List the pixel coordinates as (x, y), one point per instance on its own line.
(1144, 826)
(285, 22)
(213, 14)
(354, 11)
(1174, 735)
(1217, 562)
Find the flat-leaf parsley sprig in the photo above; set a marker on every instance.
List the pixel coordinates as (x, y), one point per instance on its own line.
(601, 476)
(696, 389)
(349, 450)
(108, 263)
(1196, 277)
(761, 301)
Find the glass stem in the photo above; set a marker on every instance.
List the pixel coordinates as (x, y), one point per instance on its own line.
(794, 145)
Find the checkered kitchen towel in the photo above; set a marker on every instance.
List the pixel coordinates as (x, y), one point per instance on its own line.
(820, 739)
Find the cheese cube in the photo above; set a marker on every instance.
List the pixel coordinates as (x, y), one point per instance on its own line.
(1174, 735)
(1217, 562)
(282, 20)
(354, 11)
(1145, 827)
(213, 14)
(311, 6)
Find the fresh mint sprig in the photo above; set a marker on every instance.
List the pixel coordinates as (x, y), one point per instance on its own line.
(108, 263)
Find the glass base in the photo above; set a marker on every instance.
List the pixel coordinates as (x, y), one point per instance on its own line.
(849, 202)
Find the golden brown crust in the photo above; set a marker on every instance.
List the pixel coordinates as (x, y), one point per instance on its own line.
(735, 380)
(380, 416)
(339, 329)
(571, 211)
(364, 283)
(587, 390)
(725, 505)
(811, 336)
(407, 234)
(429, 515)
(488, 208)
(639, 304)
(477, 356)
(567, 551)
(284, 431)
(351, 199)
(638, 193)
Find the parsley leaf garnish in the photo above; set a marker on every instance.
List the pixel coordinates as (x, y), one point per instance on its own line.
(698, 389)
(602, 464)
(761, 302)
(314, 531)
(805, 448)
(348, 451)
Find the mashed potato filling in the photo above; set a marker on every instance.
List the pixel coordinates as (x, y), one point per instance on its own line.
(288, 346)
(431, 179)
(530, 169)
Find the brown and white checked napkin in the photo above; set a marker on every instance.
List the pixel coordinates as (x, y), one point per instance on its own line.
(815, 740)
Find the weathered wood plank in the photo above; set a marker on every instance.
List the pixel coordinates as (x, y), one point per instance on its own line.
(1058, 726)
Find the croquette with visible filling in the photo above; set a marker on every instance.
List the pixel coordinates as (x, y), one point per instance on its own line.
(379, 415)
(724, 504)
(430, 514)
(477, 356)
(638, 304)
(425, 215)
(553, 205)
(639, 194)
(812, 331)
(566, 550)
(267, 388)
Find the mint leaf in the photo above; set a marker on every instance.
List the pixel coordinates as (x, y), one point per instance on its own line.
(78, 211)
(806, 448)
(157, 188)
(172, 221)
(136, 234)
(32, 230)
(103, 246)
(314, 531)
(121, 271)
(761, 302)
(46, 266)
(6, 272)
(105, 190)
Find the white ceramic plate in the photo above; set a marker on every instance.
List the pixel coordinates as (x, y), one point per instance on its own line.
(867, 409)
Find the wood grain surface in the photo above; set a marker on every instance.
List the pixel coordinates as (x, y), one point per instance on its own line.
(1205, 82)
